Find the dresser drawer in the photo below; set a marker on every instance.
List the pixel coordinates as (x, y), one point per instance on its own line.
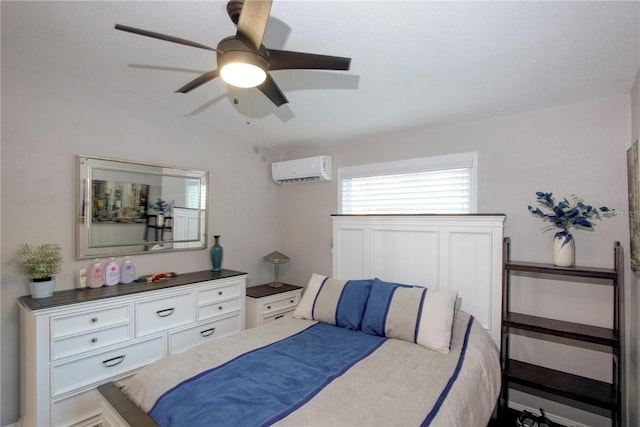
(218, 309)
(211, 295)
(279, 304)
(77, 323)
(276, 316)
(182, 340)
(94, 340)
(99, 367)
(161, 314)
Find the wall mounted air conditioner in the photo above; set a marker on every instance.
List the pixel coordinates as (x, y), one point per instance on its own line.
(309, 169)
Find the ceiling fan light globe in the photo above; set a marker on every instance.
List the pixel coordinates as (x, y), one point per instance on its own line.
(241, 74)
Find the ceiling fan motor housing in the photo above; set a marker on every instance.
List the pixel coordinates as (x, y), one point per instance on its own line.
(232, 49)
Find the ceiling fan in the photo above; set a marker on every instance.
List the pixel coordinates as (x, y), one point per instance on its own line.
(243, 60)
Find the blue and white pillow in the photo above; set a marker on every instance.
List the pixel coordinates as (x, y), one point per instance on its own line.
(337, 302)
(419, 315)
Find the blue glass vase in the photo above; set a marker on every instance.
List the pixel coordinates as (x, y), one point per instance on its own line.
(216, 254)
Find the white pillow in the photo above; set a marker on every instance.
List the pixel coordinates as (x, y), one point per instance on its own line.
(420, 315)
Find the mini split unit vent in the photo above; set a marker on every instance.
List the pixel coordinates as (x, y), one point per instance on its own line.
(310, 169)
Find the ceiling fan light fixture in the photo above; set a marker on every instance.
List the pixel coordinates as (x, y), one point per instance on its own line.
(243, 69)
(241, 74)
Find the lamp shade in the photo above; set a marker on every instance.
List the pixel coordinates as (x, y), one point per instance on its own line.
(276, 258)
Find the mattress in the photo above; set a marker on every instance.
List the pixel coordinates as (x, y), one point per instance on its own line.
(298, 372)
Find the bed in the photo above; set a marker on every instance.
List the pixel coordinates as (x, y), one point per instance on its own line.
(356, 352)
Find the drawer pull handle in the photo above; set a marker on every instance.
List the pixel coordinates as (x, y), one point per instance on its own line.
(166, 312)
(207, 332)
(94, 340)
(94, 320)
(268, 307)
(279, 317)
(220, 292)
(221, 308)
(291, 302)
(114, 361)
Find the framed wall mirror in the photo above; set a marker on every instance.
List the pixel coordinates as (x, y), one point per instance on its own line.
(126, 208)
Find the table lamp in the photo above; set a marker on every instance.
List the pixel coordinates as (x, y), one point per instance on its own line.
(276, 258)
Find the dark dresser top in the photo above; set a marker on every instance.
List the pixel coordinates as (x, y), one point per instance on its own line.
(75, 296)
(266, 290)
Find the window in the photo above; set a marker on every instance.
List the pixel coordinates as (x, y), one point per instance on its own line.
(196, 195)
(442, 184)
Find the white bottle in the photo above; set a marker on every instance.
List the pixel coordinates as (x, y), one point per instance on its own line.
(81, 279)
(113, 273)
(127, 271)
(96, 278)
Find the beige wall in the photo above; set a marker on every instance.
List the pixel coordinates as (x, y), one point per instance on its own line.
(572, 149)
(47, 118)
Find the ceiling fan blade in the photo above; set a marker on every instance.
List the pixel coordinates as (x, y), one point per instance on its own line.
(271, 90)
(163, 37)
(287, 60)
(198, 82)
(253, 21)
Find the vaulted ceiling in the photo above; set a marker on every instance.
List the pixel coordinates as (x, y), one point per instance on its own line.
(414, 63)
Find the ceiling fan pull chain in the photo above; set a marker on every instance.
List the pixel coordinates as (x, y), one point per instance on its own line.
(249, 102)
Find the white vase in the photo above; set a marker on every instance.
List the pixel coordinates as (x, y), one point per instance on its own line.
(43, 289)
(160, 220)
(564, 253)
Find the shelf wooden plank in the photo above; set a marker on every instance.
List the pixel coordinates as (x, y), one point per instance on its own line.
(587, 390)
(533, 267)
(560, 328)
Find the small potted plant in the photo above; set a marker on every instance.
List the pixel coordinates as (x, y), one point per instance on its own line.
(41, 263)
(563, 216)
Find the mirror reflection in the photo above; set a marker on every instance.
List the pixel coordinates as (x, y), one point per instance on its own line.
(129, 208)
(114, 201)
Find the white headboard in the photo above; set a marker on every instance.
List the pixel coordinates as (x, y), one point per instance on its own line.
(447, 252)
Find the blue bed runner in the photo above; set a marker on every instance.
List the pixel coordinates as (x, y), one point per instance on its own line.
(265, 385)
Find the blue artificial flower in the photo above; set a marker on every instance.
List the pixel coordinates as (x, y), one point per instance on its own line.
(566, 215)
(161, 206)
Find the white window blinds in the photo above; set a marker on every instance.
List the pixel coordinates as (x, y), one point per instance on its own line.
(443, 184)
(196, 195)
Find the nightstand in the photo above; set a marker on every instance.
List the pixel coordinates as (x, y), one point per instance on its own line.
(265, 304)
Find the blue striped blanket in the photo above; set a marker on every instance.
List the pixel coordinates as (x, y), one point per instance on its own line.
(264, 385)
(298, 372)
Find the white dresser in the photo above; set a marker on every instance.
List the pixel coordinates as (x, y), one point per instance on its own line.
(77, 340)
